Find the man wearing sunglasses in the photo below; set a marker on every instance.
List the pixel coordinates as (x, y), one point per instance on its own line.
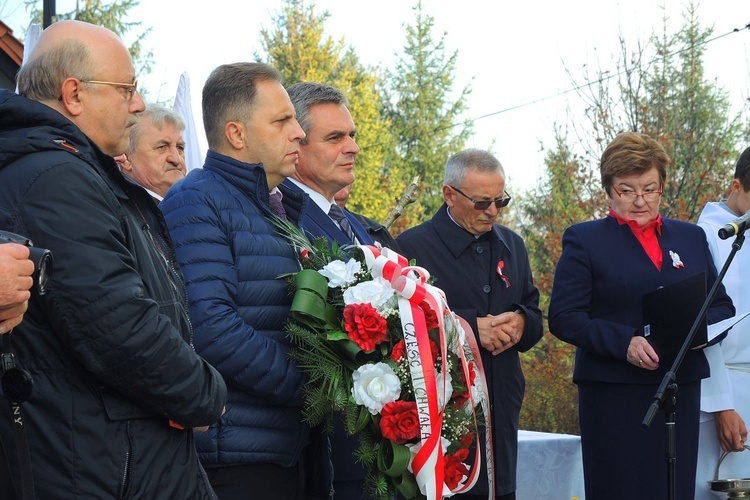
(483, 268)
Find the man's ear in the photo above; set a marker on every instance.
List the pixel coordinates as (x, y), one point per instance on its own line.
(736, 187)
(70, 96)
(235, 134)
(448, 195)
(124, 163)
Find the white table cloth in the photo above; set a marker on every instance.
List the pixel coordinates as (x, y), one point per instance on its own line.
(549, 466)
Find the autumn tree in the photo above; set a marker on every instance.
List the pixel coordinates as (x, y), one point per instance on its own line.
(111, 15)
(298, 47)
(659, 89)
(662, 90)
(692, 119)
(426, 114)
(568, 192)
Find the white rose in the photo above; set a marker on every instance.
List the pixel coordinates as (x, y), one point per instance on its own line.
(444, 396)
(376, 292)
(340, 273)
(375, 385)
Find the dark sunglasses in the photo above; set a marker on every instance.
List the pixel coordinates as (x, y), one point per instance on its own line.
(485, 204)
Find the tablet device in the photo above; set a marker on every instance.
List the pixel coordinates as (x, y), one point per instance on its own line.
(670, 311)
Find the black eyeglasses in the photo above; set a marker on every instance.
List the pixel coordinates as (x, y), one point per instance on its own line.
(485, 204)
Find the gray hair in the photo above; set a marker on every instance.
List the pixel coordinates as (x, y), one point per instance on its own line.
(159, 115)
(41, 78)
(305, 95)
(470, 160)
(229, 95)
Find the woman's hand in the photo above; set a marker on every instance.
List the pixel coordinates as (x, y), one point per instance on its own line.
(642, 354)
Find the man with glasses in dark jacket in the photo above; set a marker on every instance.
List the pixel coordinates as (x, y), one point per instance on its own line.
(117, 386)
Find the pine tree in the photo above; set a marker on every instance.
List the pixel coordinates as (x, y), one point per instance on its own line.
(112, 16)
(298, 47)
(426, 116)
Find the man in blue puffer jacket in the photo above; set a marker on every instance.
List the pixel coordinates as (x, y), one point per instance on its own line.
(232, 256)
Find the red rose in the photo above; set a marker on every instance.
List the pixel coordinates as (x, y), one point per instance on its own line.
(430, 316)
(434, 349)
(459, 399)
(472, 373)
(399, 349)
(467, 440)
(454, 468)
(399, 421)
(365, 325)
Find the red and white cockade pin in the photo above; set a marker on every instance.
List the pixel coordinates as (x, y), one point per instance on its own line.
(500, 266)
(676, 262)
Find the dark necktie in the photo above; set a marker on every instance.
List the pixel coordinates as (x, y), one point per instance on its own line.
(274, 201)
(338, 215)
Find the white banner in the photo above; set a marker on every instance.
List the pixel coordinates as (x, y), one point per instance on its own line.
(32, 37)
(193, 155)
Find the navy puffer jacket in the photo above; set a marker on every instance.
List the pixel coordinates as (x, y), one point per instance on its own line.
(232, 256)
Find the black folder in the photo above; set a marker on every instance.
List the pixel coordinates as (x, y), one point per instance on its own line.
(670, 311)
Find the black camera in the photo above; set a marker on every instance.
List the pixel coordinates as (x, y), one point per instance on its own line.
(41, 258)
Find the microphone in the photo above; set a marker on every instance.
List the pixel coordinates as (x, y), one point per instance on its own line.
(737, 226)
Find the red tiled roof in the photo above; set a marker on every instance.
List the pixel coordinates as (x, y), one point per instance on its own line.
(10, 44)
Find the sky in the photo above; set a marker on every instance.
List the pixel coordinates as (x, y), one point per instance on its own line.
(515, 56)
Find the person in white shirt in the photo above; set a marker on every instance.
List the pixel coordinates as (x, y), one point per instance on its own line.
(725, 395)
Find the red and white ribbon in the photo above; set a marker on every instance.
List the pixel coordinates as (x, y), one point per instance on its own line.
(410, 283)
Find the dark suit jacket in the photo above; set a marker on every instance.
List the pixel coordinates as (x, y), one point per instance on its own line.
(464, 267)
(348, 475)
(378, 232)
(596, 298)
(318, 224)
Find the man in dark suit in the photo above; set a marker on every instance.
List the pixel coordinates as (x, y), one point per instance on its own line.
(483, 268)
(377, 231)
(326, 162)
(325, 166)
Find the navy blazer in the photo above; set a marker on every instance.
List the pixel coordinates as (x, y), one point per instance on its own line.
(348, 474)
(318, 224)
(596, 297)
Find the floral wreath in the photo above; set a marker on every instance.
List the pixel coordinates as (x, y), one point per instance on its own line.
(380, 344)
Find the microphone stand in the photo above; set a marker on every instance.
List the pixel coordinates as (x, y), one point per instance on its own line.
(666, 395)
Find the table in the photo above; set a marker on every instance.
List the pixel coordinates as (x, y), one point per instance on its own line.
(549, 466)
